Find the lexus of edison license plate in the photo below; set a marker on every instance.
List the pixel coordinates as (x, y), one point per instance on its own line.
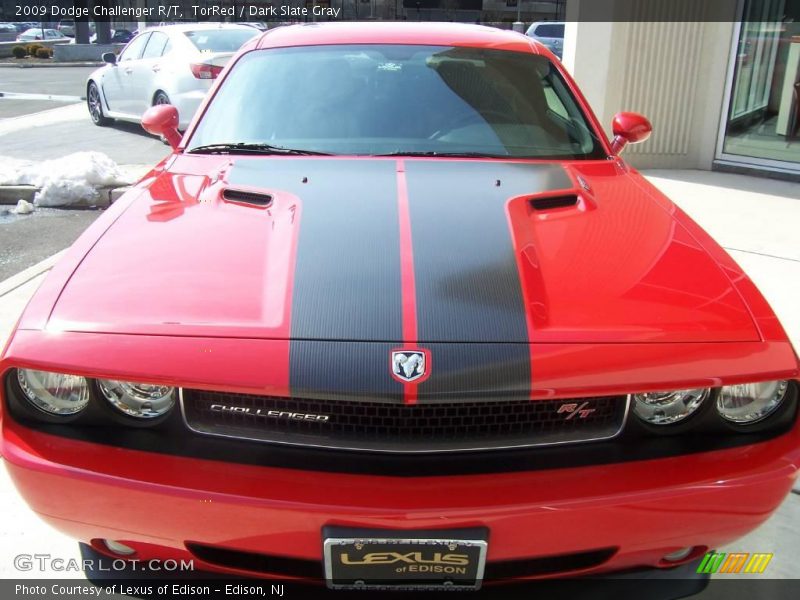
(404, 563)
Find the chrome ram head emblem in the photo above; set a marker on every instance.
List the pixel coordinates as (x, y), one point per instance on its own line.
(408, 365)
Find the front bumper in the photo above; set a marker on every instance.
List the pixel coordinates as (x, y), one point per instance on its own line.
(160, 503)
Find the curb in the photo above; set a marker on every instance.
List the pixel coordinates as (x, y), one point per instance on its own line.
(23, 277)
(11, 194)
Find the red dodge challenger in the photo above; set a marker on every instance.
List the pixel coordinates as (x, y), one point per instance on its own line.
(394, 312)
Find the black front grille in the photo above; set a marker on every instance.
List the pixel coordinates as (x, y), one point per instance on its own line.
(378, 426)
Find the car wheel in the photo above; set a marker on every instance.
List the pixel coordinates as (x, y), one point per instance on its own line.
(161, 98)
(95, 105)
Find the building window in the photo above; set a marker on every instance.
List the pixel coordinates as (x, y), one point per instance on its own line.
(763, 116)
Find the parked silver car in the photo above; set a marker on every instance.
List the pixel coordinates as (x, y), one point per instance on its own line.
(35, 34)
(549, 33)
(67, 28)
(118, 36)
(173, 64)
(8, 33)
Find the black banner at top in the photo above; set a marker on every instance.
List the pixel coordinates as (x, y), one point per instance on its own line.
(286, 11)
(446, 4)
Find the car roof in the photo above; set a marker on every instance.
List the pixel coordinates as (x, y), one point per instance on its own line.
(394, 32)
(181, 27)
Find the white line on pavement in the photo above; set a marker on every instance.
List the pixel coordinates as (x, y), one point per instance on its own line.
(54, 97)
(46, 117)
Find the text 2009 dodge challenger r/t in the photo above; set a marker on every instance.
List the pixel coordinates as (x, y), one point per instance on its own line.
(394, 312)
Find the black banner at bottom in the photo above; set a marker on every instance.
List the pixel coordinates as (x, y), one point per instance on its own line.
(201, 586)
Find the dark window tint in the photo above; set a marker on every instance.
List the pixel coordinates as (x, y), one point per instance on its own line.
(550, 31)
(121, 35)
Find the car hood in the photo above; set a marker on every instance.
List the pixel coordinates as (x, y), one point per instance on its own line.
(385, 250)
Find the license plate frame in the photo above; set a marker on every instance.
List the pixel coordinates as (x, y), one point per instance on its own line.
(404, 560)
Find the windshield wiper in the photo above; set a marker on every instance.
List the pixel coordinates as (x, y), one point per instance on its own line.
(249, 148)
(446, 154)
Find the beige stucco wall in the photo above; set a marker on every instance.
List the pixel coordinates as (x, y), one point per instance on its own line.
(672, 72)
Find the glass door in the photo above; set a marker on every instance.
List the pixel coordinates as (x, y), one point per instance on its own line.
(763, 112)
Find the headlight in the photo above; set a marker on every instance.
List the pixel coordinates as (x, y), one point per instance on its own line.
(140, 400)
(750, 402)
(665, 408)
(54, 393)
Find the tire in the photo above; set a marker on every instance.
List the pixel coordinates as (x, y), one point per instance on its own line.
(161, 98)
(95, 105)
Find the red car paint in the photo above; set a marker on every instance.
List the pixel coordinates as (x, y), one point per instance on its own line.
(646, 508)
(662, 307)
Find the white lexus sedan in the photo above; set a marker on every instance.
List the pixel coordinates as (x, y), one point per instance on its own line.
(173, 64)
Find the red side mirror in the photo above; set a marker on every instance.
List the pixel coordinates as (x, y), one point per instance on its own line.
(629, 128)
(162, 119)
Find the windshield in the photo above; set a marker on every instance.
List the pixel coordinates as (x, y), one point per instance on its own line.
(220, 40)
(396, 99)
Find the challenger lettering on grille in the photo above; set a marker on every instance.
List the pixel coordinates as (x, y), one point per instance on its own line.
(271, 414)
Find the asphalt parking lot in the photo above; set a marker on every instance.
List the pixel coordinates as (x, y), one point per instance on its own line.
(125, 143)
(755, 219)
(57, 84)
(28, 239)
(47, 129)
(52, 128)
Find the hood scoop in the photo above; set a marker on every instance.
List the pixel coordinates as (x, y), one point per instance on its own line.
(554, 202)
(247, 197)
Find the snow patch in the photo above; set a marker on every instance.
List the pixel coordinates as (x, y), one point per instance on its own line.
(68, 181)
(23, 207)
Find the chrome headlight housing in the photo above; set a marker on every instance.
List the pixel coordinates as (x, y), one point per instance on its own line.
(666, 408)
(746, 403)
(139, 400)
(54, 393)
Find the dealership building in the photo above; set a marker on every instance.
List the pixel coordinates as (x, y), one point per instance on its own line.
(719, 79)
(720, 83)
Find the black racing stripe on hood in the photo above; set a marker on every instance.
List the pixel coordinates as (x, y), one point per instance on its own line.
(347, 271)
(467, 279)
(477, 372)
(343, 371)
